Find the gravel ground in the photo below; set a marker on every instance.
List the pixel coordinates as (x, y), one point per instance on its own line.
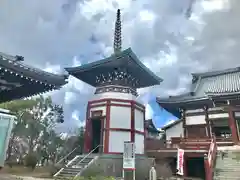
(12, 177)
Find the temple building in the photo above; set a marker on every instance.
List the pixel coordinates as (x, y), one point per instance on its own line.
(209, 118)
(210, 107)
(19, 80)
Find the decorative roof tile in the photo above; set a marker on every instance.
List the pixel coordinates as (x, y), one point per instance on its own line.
(14, 64)
(226, 83)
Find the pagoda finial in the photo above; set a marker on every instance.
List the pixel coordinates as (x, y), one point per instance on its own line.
(117, 45)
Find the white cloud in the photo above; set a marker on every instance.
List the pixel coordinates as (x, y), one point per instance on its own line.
(149, 112)
(64, 33)
(76, 117)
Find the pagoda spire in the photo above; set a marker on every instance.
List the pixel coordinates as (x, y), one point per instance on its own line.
(117, 44)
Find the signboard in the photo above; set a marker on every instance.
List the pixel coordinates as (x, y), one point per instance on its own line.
(180, 161)
(129, 156)
(6, 125)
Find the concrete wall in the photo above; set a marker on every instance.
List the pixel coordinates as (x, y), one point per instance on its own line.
(111, 165)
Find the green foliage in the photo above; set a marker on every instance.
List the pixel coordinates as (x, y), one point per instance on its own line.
(34, 125)
(18, 105)
(30, 161)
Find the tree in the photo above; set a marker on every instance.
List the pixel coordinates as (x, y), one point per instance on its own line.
(18, 108)
(34, 127)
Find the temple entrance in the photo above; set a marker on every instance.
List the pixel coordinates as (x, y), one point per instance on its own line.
(221, 128)
(96, 134)
(195, 167)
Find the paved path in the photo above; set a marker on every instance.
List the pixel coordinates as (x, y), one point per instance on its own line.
(12, 177)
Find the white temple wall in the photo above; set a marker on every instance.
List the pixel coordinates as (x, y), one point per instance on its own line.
(120, 120)
(139, 143)
(113, 95)
(174, 131)
(139, 120)
(193, 120)
(120, 117)
(116, 141)
(218, 116)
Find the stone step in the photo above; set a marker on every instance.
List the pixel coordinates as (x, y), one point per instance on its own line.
(76, 166)
(227, 170)
(226, 178)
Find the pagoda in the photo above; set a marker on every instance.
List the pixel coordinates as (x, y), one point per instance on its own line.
(113, 114)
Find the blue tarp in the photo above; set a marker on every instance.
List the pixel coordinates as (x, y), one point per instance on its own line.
(159, 115)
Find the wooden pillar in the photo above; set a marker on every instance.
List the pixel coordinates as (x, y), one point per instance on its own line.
(185, 170)
(183, 116)
(232, 125)
(207, 168)
(208, 123)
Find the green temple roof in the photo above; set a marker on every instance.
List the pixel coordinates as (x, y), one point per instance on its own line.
(206, 86)
(123, 60)
(19, 80)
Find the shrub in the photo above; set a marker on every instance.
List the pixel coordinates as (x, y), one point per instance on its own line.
(30, 161)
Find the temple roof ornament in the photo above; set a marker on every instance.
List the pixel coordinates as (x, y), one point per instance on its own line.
(117, 44)
(122, 72)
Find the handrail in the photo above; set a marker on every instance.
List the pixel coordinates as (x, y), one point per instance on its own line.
(67, 155)
(86, 167)
(89, 154)
(212, 151)
(68, 164)
(86, 157)
(211, 156)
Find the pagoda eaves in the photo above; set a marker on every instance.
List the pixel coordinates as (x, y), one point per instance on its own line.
(123, 62)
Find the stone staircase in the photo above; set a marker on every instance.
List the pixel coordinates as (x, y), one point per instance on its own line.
(75, 167)
(227, 168)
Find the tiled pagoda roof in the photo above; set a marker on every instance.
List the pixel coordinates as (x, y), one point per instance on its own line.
(126, 59)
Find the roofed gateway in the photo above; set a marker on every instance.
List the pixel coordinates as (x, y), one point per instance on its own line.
(18, 80)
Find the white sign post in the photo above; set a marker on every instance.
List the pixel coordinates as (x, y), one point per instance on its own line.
(129, 158)
(180, 161)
